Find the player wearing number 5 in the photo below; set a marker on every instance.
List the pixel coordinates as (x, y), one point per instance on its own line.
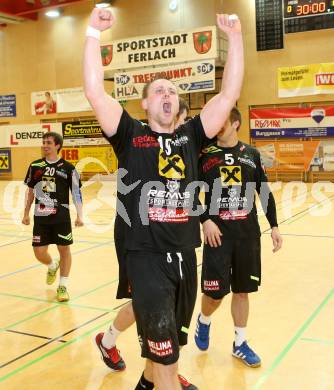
(49, 180)
(231, 255)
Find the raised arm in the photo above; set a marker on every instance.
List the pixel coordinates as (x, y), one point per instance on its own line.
(108, 111)
(217, 110)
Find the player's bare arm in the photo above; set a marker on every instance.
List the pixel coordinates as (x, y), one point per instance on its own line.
(108, 111)
(217, 110)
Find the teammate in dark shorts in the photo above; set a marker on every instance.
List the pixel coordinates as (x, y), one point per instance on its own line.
(232, 253)
(49, 180)
(125, 317)
(157, 164)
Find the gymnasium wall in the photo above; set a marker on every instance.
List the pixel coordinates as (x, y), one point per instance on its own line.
(260, 85)
(47, 54)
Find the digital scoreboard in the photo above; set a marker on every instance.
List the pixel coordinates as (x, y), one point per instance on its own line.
(308, 15)
(269, 24)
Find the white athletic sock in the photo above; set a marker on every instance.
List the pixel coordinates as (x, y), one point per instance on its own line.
(204, 319)
(52, 266)
(63, 280)
(109, 337)
(239, 336)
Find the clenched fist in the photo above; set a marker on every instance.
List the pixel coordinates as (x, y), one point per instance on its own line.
(101, 19)
(229, 24)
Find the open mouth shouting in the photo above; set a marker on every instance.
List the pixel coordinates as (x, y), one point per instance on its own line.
(167, 108)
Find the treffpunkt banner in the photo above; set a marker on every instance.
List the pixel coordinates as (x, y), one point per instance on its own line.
(190, 77)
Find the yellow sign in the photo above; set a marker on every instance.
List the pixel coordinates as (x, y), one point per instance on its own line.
(313, 79)
(230, 175)
(96, 159)
(4, 161)
(171, 167)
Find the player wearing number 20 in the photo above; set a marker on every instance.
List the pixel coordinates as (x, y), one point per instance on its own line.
(49, 180)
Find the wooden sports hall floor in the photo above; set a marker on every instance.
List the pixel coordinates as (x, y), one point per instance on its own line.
(48, 345)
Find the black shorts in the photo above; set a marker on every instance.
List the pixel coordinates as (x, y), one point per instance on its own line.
(235, 265)
(59, 233)
(123, 289)
(164, 288)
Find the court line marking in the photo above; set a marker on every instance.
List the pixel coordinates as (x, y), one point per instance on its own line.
(51, 341)
(56, 304)
(305, 212)
(15, 242)
(53, 351)
(20, 270)
(73, 253)
(282, 202)
(29, 237)
(290, 344)
(36, 314)
(32, 335)
(82, 235)
(298, 213)
(317, 340)
(111, 241)
(73, 340)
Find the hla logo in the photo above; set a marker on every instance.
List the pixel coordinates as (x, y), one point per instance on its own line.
(202, 41)
(126, 91)
(106, 54)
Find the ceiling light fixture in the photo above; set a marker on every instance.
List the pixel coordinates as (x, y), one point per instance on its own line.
(53, 13)
(103, 4)
(173, 5)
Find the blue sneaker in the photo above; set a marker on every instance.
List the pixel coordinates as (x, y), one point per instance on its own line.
(202, 335)
(246, 355)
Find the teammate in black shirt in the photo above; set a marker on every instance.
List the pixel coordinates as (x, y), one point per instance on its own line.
(154, 197)
(49, 180)
(106, 341)
(231, 255)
